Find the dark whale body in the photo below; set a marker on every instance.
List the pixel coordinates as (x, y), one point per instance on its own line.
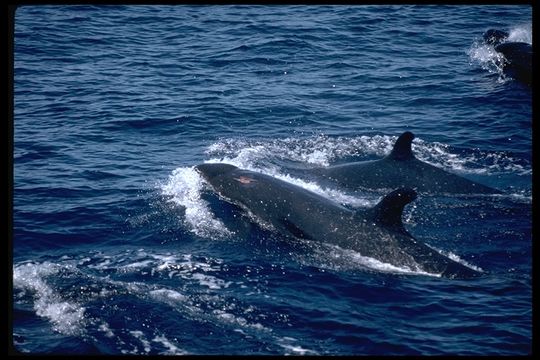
(401, 169)
(294, 211)
(517, 61)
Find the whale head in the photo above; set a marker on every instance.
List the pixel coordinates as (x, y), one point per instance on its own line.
(495, 37)
(227, 180)
(212, 171)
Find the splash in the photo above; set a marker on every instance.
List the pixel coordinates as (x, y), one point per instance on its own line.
(521, 33)
(67, 317)
(184, 189)
(488, 59)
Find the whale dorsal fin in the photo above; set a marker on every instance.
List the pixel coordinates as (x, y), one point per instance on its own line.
(389, 210)
(402, 148)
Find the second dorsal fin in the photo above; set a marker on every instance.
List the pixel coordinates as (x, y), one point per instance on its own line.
(389, 210)
(402, 148)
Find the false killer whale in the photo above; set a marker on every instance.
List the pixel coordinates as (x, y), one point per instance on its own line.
(517, 61)
(291, 210)
(400, 169)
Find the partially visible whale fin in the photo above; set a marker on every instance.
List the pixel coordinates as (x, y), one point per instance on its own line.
(402, 148)
(389, 210)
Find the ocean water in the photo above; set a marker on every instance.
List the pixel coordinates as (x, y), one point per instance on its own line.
(119, 247)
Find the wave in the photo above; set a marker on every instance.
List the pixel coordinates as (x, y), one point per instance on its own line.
(322, 151)
(70, 294)
(184, 188)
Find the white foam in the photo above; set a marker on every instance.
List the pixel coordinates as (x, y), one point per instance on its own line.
(171, 265)
(67, 317)
(485, 56)
(386, 267)
(456, 258)
(171, 348)
(286, 343)
(520, 197)
(332, 194)
(318, 150)
(238, 321)
(135, 266)
(211, 282)
(248, 154)
(171, 297)
(184, 187)
(521, 33)
(104, 327)
(139, 335)
(103, 264)
(337, 258)
(351, 259)
(298, 350)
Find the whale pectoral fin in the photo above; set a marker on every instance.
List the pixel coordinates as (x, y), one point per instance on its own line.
(294, 230)
(389, 210)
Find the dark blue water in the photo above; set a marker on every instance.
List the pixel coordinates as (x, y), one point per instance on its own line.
(119, 247)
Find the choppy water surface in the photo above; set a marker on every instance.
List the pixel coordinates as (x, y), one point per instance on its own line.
(119, 247)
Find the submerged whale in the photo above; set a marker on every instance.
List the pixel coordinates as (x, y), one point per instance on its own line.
(291, 210)
(401, 169)
(517, 61)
